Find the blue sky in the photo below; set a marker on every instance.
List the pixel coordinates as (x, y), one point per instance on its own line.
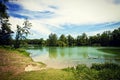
(65, 17)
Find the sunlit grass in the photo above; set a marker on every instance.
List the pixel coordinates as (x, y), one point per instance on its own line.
(48, 74)
(107, 71)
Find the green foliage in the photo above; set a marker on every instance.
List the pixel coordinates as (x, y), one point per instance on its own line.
(52, 41)
(62, 40)
(83, 72)
(70, 40)
(5, 30)
(19, 50)
(82, 40)
(3, 12)
(105, 66)
(106, 71)
(107, 38)
(22, 33)
(61, 43)
(115, 38)
(108, 74)
(39, 42)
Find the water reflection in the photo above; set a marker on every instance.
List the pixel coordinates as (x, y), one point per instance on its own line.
(70, 56)
(53, 52)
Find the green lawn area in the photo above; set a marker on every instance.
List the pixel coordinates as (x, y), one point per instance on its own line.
(48, 74)
(111, 50)
(107, 71)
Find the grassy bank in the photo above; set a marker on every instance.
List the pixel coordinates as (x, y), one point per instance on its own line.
(48, 74)
(111, 50)
(14, 62)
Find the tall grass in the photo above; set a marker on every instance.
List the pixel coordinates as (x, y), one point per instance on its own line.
(106, 71)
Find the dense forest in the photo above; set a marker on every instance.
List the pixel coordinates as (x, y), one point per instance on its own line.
(107, 38)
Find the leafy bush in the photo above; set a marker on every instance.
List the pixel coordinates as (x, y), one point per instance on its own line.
(105, 66)
(108, 74)
(106, 71)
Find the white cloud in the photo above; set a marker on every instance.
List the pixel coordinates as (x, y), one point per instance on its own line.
(37, 26)
(70, 12)
(15, 21)
(76, 11)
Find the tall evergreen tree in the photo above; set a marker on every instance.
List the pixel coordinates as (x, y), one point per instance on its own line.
(5, 30)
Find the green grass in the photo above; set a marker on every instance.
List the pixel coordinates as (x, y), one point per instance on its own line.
(111, 50)
(107, 71)
(19, 50)
(48, 74)
(22, 51)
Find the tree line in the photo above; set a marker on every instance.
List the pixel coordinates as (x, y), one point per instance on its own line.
(107, 38)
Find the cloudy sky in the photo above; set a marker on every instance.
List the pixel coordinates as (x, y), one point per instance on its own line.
(65, 16)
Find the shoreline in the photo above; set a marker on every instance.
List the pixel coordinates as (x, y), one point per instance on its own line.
(19, 66)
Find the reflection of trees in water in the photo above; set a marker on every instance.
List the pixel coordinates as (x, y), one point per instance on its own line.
(70, 52)
(83, 52)
(53, 52)
(85, 55)
(62, 52)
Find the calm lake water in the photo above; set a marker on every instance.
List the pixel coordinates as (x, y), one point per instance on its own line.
(61, 57)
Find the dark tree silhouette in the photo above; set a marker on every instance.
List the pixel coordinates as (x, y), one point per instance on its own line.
(5, 30)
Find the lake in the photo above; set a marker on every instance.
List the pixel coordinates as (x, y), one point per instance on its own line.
(61, 57)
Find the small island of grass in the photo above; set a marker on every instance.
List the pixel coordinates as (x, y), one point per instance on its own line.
(111, 50)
